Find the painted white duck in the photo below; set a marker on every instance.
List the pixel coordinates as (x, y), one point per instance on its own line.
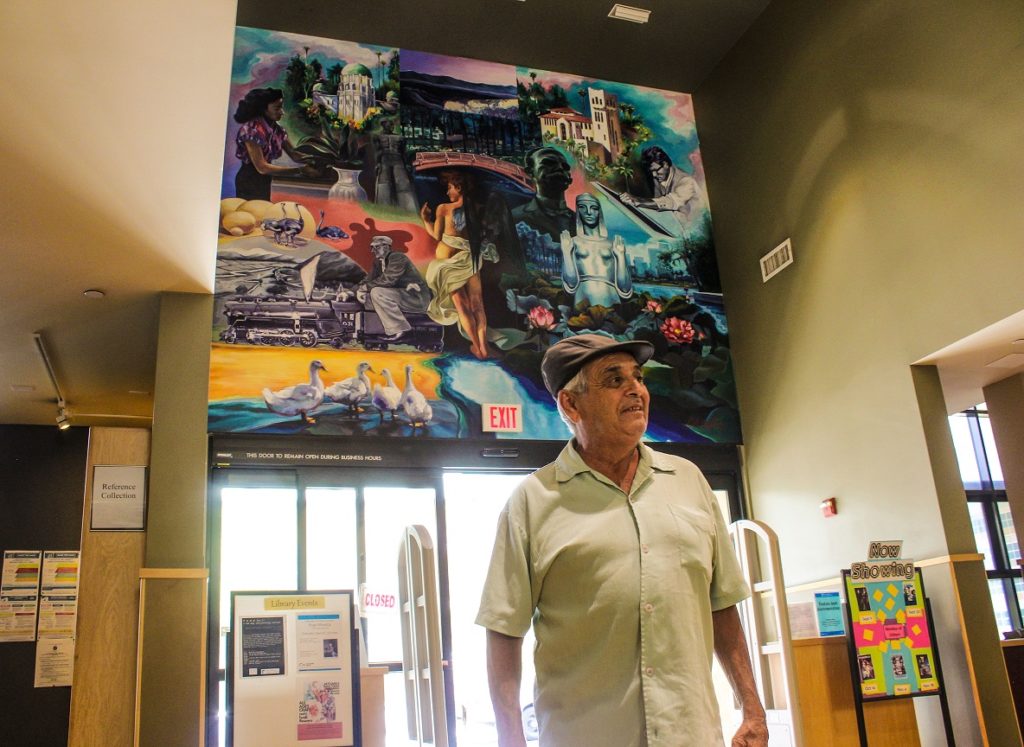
(300, 399)
(353, 390)
(387, 397)
(415, 405)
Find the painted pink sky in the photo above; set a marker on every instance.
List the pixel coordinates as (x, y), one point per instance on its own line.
(462, 68)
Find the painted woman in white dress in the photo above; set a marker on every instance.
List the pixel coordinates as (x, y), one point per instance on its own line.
(454, 276)
(594, 268)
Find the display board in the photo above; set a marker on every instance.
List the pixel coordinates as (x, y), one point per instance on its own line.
(891, 637)
(293, 670)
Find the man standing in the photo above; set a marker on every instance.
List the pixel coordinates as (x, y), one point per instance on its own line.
(620, 558)
(394, 286)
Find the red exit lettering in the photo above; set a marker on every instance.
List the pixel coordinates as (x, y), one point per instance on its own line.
(502, 418)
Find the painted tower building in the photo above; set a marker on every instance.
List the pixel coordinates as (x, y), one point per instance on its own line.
(355, 92)
(600, 133)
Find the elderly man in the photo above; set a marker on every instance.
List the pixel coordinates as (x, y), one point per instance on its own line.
(393, 287)
(620, 558)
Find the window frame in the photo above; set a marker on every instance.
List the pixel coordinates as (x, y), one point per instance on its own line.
(988, 496)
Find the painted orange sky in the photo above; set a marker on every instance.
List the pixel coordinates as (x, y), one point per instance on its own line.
(243, 372)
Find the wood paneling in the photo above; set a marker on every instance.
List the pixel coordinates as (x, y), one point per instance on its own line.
(103, 695)
(827, 707)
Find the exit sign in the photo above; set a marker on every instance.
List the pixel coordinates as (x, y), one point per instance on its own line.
(502, 418)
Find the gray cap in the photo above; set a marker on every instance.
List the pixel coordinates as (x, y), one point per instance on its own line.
(565, 358)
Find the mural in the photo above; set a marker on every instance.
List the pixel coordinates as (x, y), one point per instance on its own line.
(403, 234)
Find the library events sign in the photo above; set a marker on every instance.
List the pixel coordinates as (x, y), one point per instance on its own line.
(890, 625)
(293, 670)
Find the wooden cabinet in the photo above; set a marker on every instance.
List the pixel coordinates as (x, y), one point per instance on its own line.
(827, 709)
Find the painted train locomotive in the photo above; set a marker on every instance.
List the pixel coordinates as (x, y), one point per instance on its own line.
(255, 320)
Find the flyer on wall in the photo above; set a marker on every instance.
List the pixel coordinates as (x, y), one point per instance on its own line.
(55, 662)
(262, 646)
(319, 642)
(58, 595)
(317, 716)
(19, 595)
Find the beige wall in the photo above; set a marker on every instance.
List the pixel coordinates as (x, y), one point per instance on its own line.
(887, 140)
(1005, 400)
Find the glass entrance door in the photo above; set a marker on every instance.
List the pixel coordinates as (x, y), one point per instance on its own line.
(307, 529)
(290, 530)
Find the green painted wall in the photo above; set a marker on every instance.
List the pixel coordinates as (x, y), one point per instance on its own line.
(887, 141)
(171, 677)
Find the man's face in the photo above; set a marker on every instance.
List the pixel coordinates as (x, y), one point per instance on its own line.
(659, 170)
(550, 170)
(615, 406)
(379, 248)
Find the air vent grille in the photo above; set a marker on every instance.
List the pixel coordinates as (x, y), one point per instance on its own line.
(776, 260)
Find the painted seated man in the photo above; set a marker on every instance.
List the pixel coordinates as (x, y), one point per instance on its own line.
(392, 288)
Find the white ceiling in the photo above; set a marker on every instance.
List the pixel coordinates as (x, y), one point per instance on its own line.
(114, 134)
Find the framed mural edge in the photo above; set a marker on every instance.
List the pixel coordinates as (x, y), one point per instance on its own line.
(403, 234)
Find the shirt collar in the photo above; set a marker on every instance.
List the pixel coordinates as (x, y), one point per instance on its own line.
(569, 463)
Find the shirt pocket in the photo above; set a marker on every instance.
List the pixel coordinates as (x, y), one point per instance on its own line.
(695, 538)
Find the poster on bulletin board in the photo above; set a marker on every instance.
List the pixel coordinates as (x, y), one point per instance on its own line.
(891, 636)
(293, 670)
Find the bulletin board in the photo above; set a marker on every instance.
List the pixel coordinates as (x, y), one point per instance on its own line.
(293, 670)
(891, 637)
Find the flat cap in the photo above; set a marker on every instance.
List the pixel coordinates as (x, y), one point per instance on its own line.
(565, 358)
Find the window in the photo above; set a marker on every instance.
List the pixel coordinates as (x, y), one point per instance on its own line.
(990, 512)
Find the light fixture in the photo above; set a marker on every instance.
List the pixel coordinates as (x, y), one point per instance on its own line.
(63, 421)
(93, 293)
(629, 13)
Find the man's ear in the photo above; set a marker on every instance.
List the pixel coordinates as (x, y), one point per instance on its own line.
(568, 402)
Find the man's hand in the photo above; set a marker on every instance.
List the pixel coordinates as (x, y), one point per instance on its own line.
(731, 650)
(753, 732)
(627, 198)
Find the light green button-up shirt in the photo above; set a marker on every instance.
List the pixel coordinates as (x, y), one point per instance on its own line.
(620, 591)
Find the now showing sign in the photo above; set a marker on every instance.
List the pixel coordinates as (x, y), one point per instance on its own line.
(502, 418)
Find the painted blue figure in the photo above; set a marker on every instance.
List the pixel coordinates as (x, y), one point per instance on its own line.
(594, 268)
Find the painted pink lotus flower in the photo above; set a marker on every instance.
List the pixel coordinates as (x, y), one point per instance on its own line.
(541, 318)
(653, 306)
(678, 330)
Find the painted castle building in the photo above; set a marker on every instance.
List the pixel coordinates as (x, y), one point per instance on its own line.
(600, 133)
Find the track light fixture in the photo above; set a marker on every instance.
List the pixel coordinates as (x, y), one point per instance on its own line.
(63, 420)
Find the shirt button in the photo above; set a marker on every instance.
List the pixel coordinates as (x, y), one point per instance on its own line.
(649, 671)
(648, 607)
(645, 549)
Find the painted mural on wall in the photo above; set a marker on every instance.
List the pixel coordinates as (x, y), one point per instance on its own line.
(403, 234)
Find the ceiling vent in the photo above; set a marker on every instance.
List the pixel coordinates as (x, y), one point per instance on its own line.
(776, 260)
(629, 13)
